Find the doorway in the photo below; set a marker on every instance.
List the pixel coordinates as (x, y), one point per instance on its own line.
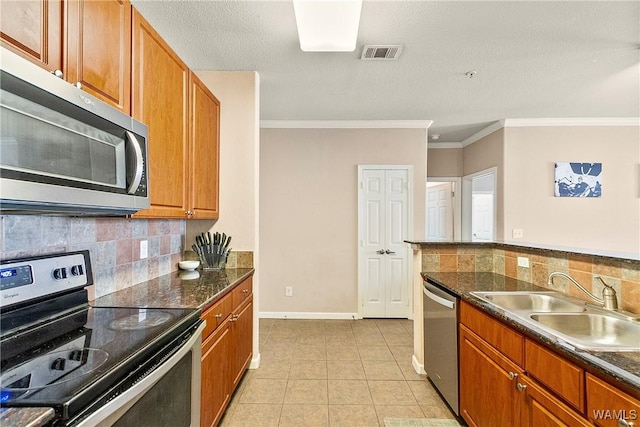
(479, 205)
(385, 220)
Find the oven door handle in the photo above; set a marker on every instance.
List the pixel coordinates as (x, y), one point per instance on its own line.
(108, 414)
(439, 299)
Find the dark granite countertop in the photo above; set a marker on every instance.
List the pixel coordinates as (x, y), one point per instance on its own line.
(179, 289)
(623, 368)
(25, 417)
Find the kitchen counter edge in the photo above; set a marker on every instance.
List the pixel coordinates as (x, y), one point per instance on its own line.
(26, 417)
(621, 367)
(178, 289)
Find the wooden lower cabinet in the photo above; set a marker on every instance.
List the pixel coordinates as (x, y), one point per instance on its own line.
(609, 407)
(487, 390)
(496, 391)
(226, 350)
(216, 391)
(540, 409)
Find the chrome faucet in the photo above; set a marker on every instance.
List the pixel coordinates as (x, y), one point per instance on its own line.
(609, 300)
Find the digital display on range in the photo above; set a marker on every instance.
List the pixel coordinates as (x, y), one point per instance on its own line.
(13, 277)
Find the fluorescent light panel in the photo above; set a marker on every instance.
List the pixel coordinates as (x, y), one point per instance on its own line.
(327, 25)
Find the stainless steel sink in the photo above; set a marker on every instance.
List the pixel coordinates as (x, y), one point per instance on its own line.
(546, 302)
(593, 331)
(569, 319)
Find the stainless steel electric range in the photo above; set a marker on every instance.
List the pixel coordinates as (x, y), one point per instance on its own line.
(93, 365)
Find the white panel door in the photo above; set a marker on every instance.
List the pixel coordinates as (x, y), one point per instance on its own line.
(440, 212)
(482, 216)
(385, 287)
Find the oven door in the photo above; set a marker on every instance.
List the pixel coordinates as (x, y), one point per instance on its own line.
(168, 396)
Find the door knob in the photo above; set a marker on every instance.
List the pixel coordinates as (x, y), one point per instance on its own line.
(380, 252)
(388, 252)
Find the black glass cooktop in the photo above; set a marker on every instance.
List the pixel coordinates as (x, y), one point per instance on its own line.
(71, 360)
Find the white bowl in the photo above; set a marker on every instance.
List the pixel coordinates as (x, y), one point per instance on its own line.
(188, 265)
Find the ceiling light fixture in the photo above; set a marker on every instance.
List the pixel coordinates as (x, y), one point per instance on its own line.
(327, 25)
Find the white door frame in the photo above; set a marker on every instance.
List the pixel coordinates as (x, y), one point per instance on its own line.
(467, 192)
(409, 169)
(457, 204)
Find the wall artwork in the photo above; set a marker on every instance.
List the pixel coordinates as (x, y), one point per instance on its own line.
(578, 179)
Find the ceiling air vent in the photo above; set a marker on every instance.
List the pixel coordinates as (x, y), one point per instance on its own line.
(381, 52)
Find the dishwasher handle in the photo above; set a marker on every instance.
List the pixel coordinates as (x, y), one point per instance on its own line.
(438, 299)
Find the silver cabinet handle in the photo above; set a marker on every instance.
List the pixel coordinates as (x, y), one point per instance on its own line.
(58, 73)
(388, 252)
(79, 85)
(521, 387)
(380, 252)
(219, 316)
(512, 375)
(625, 423)
(245, 291)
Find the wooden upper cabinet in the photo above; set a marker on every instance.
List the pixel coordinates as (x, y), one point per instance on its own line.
(204, 151)
(160, 88)
(98, 49)
(33, 29)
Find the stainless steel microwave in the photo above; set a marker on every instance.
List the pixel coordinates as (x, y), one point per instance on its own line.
(63, 151)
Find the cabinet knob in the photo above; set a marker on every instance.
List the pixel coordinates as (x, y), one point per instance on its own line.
(233, 318)
(245, 291)
(625, 423)
(219, 316)
(521, 387)
(512, 375)
(58, 73)
(79, 85)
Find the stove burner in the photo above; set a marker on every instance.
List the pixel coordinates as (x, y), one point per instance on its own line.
(143, 320)
(49, 370)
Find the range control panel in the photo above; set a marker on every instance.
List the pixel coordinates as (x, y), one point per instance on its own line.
(28, 278)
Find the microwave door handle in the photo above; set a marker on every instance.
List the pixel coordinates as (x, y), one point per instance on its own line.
(139, 161)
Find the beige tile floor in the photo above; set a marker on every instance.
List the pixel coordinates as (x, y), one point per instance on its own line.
(333, 373)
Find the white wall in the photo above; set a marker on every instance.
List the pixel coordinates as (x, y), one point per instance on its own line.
(609, 224)
(308, 210)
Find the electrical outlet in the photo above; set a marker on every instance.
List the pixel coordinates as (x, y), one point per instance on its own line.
(523, 262)
(518, 233)
(288, 291)
(144, 249)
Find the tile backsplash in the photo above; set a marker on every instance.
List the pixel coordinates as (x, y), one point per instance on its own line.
(114, 245)
(622, 274)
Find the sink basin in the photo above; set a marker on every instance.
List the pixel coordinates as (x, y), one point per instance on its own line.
(592, 331)
(546, 302)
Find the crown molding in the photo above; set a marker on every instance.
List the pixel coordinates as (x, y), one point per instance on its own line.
(440, 145)
(551, 122)
(578, 121)
(483, 132)
(345, 124)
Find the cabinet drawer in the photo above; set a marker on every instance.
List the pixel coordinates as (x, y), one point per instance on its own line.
(559, 375)
(216, 315)
(606, 404)
(503, 338)
(242, 292)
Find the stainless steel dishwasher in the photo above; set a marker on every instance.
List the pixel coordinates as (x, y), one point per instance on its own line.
(441, 342)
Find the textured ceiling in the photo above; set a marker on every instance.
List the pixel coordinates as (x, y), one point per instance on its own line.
(546, 59)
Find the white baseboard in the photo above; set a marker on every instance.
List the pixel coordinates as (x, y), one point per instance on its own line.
(307, 315)
(255, 362)
(418, 367)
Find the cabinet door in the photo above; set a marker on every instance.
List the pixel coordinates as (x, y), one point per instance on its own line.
(608, 407)
(541, 409)
(216, 391)
(487, 386)
(98, 54)
(160, 86)
(242, 340)
(33, 29)
(204, 151)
